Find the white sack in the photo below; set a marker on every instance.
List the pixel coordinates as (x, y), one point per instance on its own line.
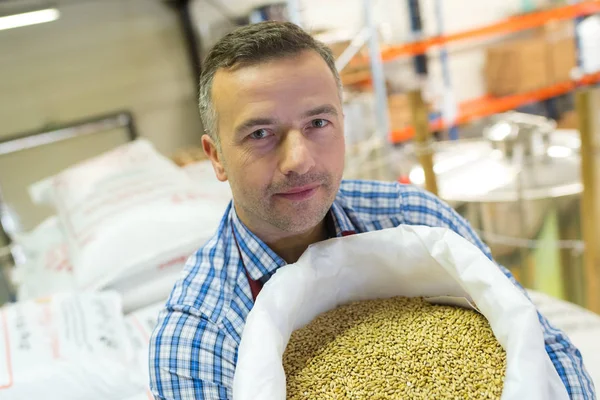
(67, 347)
(147, 395)
(139, 293)
(582, 326)
(407, 261)
(203, 174)
(127, 211)
(47, 269)
(140, 325)
(46, 234)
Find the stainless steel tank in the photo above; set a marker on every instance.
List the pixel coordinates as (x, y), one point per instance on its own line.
(507, 183)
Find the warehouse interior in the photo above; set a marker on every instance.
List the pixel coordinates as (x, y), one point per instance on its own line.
(493, 106)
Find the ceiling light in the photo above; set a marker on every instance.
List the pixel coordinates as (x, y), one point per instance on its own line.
(29, 18)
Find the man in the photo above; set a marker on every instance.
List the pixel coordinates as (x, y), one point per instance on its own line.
(271, 105)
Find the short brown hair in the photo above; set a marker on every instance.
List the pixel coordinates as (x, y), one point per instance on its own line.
(254, 44)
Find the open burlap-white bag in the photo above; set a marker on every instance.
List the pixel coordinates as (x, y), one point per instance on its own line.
(405, 261)
(129, 212)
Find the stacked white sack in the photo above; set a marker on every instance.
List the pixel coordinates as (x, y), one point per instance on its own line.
(140, 325)
(130, 217)
(67, 347)
(47, 269)
(581, 325)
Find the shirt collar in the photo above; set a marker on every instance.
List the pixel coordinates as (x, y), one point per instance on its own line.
(257, 257)
(260, 261)
(341, 222)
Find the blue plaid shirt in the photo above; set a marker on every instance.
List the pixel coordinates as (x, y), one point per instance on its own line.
(193, 350)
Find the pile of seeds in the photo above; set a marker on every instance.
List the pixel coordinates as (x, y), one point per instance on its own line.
(398, 348)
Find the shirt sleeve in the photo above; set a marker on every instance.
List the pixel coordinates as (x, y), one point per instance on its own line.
(422, 208)
(190, 358)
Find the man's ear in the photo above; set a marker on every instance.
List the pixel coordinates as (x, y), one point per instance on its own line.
(213, 153)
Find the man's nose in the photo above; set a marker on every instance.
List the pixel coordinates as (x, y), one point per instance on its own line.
(296, 156)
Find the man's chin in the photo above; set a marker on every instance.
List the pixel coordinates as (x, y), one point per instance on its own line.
(300, 221)
(306, 207)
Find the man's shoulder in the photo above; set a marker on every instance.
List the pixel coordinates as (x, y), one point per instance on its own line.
(380, 198)
(373, 189)
(196, 327)
(206, 285)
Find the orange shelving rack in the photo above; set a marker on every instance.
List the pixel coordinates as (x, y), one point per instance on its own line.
(489, 105)
(505, 27)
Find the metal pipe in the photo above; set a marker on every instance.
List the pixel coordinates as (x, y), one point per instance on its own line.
(353, 48)
(4, 238)
(589, 217)
(420, 121)
(416, 26)
(419, 110)
(79, 128)
(182, 7)
(527, 267)
(378, 76)
(294, 12)
(449, 108)
(379, 86)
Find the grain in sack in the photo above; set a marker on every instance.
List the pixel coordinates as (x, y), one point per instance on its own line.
(407, 261)
(397, 348)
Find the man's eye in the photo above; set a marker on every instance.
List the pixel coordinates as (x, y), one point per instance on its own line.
(259, 134)
(319, 123)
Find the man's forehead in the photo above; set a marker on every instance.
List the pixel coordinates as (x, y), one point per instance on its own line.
(308, 64)
(259, 85)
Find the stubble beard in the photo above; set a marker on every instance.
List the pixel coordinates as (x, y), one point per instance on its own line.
(298, 217)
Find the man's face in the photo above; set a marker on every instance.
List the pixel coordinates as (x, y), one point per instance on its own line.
(280, 125)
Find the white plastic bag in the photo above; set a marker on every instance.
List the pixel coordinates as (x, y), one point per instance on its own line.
(47, 269)
(582, 326)
(203, 174)
(127, 211)
(147, 395)
(140, 325)
(588, 32)
(46, 234)
(409, 261)
(139, 292)
(67, 347)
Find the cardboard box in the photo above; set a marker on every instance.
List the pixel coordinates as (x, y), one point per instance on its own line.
(337, 48)
(562, 56)
(529, 64)
(188, 156)
(555, 31)
(562, 50)
(399, 111)
(356, 71)
(516, 67)
(400, 114)
(568, 120)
